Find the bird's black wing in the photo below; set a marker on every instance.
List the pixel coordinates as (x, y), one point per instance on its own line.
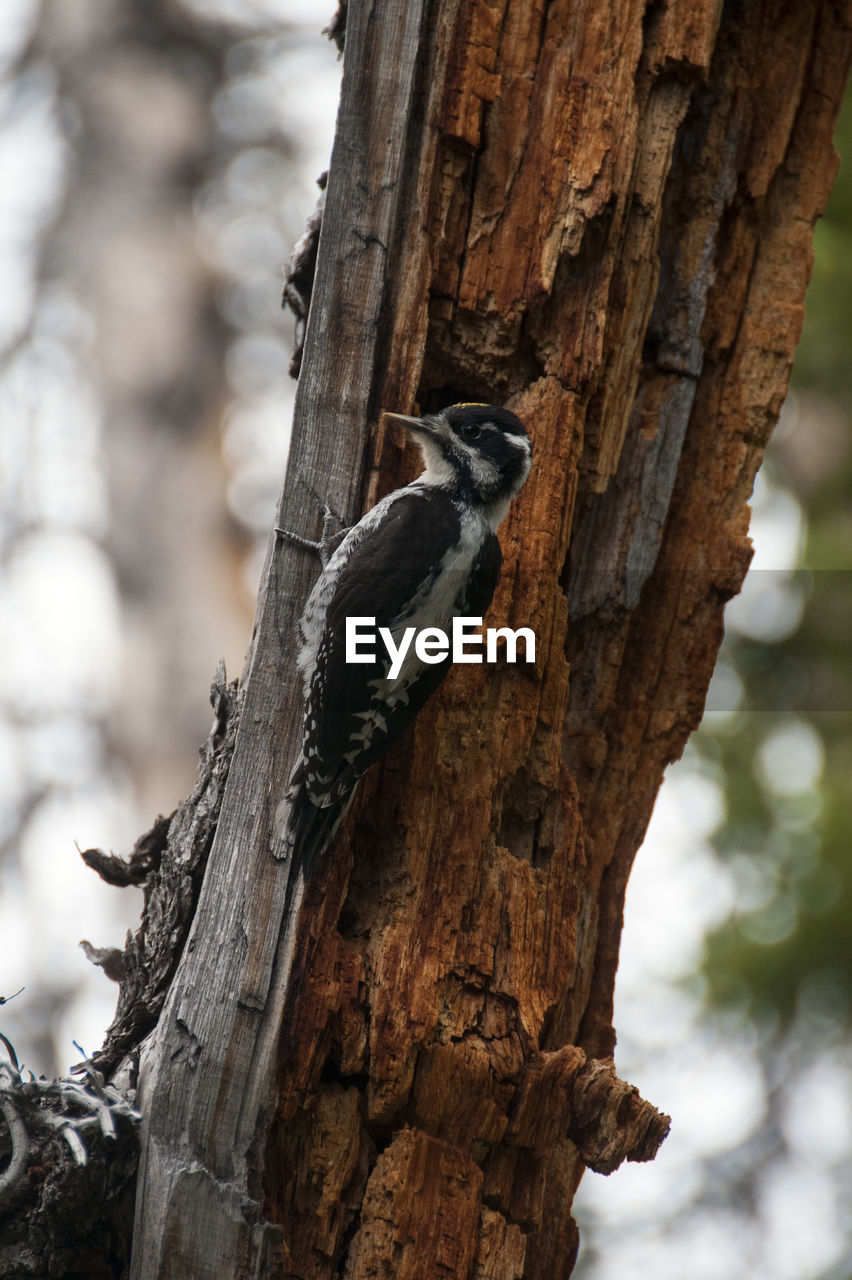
(483, 580)
(350, 719)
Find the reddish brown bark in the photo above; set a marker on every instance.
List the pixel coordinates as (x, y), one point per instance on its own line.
(609, 227)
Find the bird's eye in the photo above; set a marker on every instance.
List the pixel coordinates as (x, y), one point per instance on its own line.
(471, 431)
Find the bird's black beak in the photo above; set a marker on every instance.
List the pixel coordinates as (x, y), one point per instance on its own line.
(416, 426)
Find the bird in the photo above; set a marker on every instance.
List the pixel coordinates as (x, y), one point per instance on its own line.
(423, 555)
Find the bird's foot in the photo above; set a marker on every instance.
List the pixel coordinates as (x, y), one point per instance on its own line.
(328, 541)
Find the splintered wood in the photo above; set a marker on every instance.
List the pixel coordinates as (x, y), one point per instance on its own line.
(609, 228)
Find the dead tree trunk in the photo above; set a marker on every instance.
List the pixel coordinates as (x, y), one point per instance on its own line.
(607, 223)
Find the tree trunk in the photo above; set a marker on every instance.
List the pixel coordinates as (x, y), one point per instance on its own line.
(603, 218)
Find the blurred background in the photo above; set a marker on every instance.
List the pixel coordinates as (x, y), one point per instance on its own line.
(158, 161)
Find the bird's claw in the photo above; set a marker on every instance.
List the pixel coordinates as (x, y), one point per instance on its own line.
(327, 543)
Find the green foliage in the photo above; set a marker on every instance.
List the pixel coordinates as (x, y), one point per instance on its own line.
(822, 361)
(785, 951)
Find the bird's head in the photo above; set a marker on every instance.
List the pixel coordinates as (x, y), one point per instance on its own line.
(481, 451)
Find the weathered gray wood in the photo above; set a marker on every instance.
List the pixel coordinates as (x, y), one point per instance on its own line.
(206, 1079)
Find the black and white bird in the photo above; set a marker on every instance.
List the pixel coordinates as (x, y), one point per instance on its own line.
(422, 556)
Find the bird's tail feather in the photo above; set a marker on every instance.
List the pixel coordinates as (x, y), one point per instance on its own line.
(302, 829)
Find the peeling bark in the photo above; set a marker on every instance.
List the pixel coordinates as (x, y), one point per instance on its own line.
(565, 1093)
(169, 860)
(457, 958)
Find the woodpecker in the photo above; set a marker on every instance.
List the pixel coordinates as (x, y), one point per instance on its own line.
(423, 555)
